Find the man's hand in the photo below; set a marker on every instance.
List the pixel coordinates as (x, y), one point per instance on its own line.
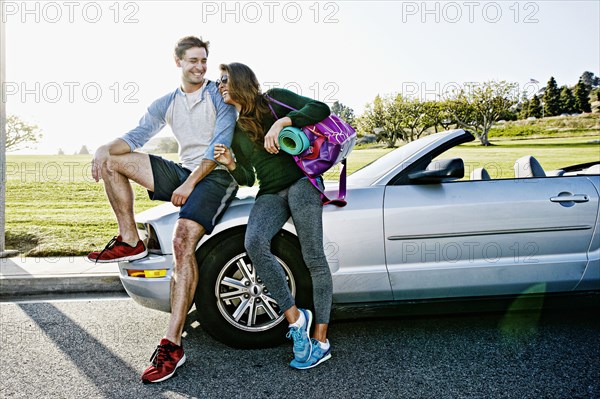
(102, 157)
(99, 161)
(181, 194)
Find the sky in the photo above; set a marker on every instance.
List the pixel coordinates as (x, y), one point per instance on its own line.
(85, 71)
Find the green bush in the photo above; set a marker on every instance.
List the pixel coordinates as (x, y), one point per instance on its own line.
(548, 127)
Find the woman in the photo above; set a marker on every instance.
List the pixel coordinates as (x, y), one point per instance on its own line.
(284, 191)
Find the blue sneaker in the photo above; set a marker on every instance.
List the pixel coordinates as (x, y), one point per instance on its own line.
(300, 335)
(317, 357)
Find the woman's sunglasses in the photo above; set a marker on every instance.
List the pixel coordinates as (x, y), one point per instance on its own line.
(222, 80)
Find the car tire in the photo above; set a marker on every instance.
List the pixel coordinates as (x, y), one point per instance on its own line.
(233, 304)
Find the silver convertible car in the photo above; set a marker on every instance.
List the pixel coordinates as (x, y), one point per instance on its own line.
(415, 230)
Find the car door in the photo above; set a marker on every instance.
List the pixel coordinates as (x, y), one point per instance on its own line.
(355, 247)
(493, 237)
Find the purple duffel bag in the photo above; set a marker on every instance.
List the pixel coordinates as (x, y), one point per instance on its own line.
(331, 141)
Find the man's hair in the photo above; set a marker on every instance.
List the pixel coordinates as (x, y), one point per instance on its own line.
(188, 42)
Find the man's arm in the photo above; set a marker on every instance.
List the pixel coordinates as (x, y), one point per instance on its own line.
(151, 123)
(103, 153)
(224, 126)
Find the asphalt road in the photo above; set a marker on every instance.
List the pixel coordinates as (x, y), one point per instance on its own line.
(98, 349)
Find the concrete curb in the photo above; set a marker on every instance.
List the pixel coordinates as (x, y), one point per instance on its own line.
(8, 253)
(38, 276)
(58, 284)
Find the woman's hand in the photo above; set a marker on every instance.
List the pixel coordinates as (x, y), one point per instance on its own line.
(272, 139)
(272, 136)
(224, 156)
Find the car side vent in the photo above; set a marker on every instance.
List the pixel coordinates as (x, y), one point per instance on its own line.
(152, 244)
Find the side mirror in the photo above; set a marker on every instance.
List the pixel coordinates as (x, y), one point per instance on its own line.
(440, 171)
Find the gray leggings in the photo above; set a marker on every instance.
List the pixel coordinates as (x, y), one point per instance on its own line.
(270, 212)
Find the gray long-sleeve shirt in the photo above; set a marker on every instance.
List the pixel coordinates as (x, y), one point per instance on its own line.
(197, 128)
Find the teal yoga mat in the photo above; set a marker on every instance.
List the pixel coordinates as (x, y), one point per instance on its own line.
(293, 140)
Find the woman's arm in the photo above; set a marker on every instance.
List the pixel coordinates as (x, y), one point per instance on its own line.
(272, 136)
(240, 168)
(308, 112)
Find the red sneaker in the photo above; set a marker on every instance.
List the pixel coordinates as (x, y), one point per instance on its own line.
(116, 250)
(165, 360)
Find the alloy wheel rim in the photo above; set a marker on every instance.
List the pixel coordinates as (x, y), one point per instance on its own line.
(244, 300)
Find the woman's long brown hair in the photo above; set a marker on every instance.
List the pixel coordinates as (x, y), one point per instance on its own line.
(244, 89)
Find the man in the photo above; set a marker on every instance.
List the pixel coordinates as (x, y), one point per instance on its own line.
(198, 118)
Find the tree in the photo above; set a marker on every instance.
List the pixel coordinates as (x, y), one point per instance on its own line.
(20, 134)
(371, 119)
(524, 107)
(590, 80)
(393, 119)
(405, 119)
(567, 100)
(417, 117)
(344, 112)
(552, 98)
(84, 150)
(582, 97)
(479, 107)
(382, 119)
(438, 112)
(61, 151)
(535, 107)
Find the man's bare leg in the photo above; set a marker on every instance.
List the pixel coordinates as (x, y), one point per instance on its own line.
(184, 280)
(116, 174)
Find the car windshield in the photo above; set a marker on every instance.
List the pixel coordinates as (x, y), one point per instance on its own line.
(370, 173)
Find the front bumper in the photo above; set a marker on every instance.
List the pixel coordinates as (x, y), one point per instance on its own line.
(153, 293)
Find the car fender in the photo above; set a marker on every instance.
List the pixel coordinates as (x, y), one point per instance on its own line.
(237, 216)
(162, 219)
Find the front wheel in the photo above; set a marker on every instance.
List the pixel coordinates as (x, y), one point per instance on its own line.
(234, 305)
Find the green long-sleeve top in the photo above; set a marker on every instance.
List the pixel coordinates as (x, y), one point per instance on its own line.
(275, 172)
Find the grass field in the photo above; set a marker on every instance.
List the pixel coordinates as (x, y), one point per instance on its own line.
(54, 207)
(551, 153)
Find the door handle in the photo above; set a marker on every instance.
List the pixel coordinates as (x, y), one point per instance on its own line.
(571, 198)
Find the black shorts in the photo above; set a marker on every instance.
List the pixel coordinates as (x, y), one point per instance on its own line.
(207, 202)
